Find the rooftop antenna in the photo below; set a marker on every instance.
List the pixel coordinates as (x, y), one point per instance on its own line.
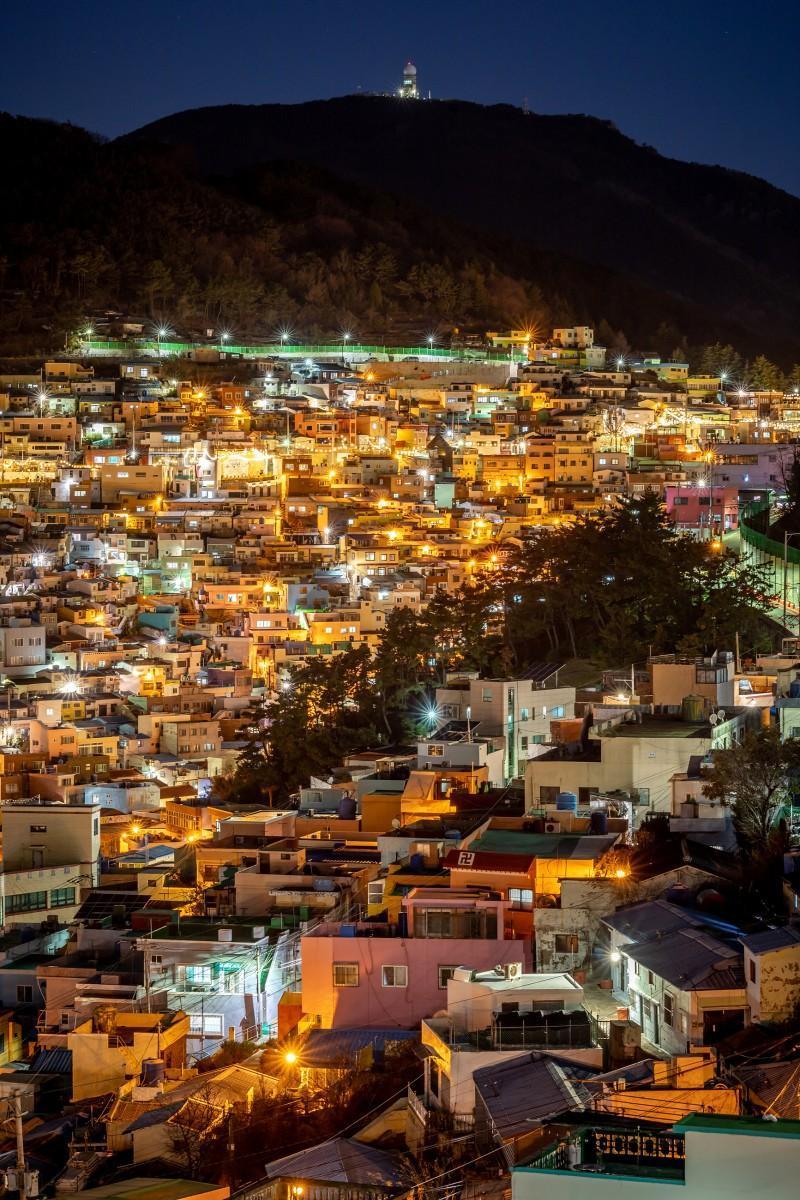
(525, 105)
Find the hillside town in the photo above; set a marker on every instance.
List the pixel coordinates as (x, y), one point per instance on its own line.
(399, 775)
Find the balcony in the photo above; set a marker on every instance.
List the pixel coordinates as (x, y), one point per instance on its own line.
(438, 1120)
(618, 1153)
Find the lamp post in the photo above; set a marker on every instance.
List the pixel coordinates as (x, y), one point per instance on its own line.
(786, 536)
(723, 375)
(345, 340)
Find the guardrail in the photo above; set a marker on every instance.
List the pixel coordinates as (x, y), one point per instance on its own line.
(332, 350)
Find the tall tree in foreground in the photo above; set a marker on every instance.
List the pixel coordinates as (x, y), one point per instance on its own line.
(756, 777)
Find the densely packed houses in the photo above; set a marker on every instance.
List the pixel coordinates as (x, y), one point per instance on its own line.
(562, 1001)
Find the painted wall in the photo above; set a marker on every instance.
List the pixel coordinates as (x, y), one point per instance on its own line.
(773, 983)
(370, 1003)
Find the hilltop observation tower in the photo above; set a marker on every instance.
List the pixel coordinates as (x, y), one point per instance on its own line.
(409, 89)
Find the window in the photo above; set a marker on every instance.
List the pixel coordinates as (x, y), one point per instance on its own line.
(24, 993)
(521, 897)
(669, 1009)
(396, 977)
(207, 1024)
(26, 902)
(438, 923)
(651, 978)
(486, 695)
(566, 943)
(199, 974)
(38, 829)
(445, 973)
(752, 970)
(435, 751)
(345, 974)
(558, 711)
(62, 897)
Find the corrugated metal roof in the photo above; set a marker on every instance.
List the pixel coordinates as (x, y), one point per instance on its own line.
(344, 1161)
(330, 1047)
(690, 959)
(519, 1094)
(54, 1062)
(649, 918)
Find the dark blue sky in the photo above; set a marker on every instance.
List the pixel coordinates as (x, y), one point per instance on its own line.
(698, 79)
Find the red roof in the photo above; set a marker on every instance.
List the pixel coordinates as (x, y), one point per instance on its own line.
(485, 860)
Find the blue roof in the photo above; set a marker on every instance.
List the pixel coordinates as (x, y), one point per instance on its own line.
(329, 1047)
(56, 1062)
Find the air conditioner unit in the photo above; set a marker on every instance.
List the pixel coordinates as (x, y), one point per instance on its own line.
(552, 827)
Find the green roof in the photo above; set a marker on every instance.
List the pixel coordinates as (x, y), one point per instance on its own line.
(544, 845)
(146, 1188)
(718, 1123)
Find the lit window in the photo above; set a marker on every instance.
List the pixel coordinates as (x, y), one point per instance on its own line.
(345, 974)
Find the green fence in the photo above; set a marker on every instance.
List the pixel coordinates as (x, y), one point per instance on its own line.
(754, 524)
(163, 348)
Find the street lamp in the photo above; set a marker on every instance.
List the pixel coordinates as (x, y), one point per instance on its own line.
(345, 338)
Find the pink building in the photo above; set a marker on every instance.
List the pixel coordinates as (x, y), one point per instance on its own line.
(695, 507)
(382, 975)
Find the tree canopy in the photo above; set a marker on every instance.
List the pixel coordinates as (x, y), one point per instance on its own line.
(614, 587)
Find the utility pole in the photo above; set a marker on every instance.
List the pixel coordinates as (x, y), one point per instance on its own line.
(23, 1193)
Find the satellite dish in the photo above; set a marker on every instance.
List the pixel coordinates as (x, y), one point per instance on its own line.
(721, 714)
(395, 823)
(713, 718)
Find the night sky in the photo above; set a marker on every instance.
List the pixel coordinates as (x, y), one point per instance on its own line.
(698, 79)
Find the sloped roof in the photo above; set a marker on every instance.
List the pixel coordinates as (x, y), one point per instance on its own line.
(649, 918)
(772, 939)
(57, 1062)
(525, 1091)
(326, 1047)
(775, 1084)
(690, 959)
(342, 1160)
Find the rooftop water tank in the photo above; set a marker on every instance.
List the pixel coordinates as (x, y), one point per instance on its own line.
(598, 821)
(347, 808)
(153, 1072)
(566, 802)
(104, 1019)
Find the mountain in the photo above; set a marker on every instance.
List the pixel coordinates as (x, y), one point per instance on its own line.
(393, 218)
(721, 241)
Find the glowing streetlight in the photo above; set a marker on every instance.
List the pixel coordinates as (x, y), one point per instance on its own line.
(290, 1058)
(136, 830)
